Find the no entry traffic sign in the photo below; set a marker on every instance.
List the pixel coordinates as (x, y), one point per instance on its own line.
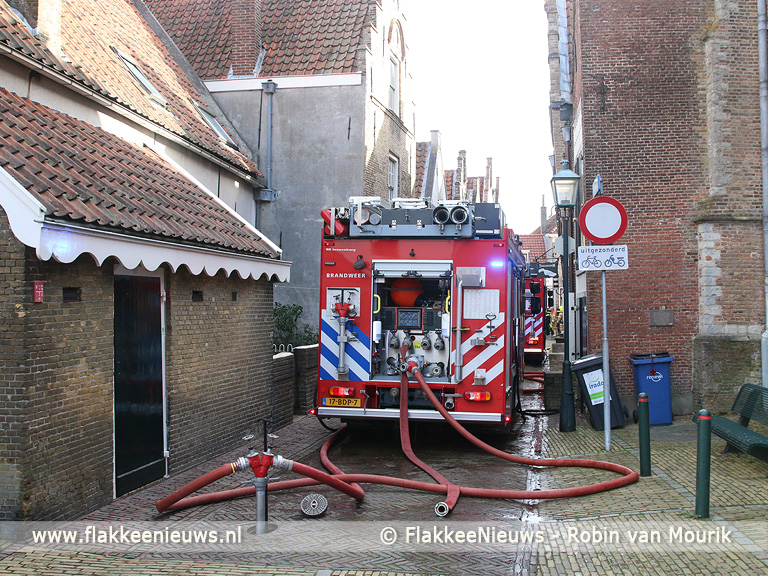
(603, 220)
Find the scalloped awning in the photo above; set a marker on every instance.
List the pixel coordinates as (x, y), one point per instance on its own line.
(64, 242)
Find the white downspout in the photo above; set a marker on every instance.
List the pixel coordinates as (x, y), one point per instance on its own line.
(269, 88)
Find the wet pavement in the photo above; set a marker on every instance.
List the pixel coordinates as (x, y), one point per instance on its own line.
(394, 530)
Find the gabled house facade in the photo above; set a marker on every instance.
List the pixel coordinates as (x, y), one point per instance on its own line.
(136, 302)
(320, 90)
(662, 100)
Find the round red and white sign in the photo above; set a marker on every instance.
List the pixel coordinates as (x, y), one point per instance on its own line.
(603, 220)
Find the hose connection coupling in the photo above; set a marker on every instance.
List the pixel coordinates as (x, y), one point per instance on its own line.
(442, 509)
(412, 364)
(261, 464)
(241, 464)
(283, 463)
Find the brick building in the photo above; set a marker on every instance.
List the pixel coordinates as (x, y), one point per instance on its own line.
(662, 101)
(331, 80)
(135, 303)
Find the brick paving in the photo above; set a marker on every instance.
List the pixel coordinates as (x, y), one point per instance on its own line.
(645, 528)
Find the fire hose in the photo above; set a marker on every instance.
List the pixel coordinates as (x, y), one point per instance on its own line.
(347, 483)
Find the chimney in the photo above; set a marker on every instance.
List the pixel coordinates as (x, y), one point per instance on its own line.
(246, 37)
(496, 192)
(45, 15)
(49, 24)
(460, 185)
(487, 193)
(543, 215)
(435, 134)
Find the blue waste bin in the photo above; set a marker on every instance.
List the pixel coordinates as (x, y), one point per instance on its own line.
(651, 373)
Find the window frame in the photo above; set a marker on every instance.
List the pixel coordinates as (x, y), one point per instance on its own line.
(215, 125)
(393, 176)
(394, 85)
(135, 70)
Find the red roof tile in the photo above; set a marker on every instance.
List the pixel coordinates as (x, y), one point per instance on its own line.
(323, 36)
(86, 175)
(300, 36)
(422, 152)
(89, 32)
(535, 246)
(201, 30)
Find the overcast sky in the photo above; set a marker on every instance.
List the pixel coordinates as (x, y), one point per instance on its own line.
(481, 77)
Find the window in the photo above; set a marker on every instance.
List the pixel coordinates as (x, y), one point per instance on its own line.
(135, 70)
(210, 119)
(394, 86)
(72, 294)
(392, 177)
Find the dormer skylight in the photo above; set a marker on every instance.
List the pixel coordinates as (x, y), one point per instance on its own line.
(136, 72)
(216, 126)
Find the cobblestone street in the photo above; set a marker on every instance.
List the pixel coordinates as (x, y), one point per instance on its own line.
(645, 528)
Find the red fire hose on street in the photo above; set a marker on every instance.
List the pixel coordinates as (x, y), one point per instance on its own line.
(453, 491)
(347, 483)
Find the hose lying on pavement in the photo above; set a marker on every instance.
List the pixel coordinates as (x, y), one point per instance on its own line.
(453, 491)
(347, 482)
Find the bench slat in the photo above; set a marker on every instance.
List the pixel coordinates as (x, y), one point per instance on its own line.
(736, 435)
(752, 402)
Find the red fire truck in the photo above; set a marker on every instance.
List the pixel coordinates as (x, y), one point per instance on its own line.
(535, 334)
(445, 283)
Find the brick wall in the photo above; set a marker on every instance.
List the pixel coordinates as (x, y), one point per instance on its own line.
(282, 395)
(636, 83)
(294, 385)
(729, 218)
(306, 377)
(670, 122)
(69, 394)
(14, 293)
(57, 374)
(219, 364)
(387, 132)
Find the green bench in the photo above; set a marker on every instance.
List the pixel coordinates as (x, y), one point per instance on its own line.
(750, 404)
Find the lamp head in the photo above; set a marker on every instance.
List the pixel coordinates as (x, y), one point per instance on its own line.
(565, 184)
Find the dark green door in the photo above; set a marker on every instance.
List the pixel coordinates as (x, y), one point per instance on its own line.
(138, 383)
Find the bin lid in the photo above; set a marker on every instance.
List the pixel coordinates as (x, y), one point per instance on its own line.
(587, 361)
(651, 357)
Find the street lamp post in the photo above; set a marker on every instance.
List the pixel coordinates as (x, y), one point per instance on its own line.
(565, 184)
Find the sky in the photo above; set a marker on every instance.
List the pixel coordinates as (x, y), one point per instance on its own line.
(480, 76)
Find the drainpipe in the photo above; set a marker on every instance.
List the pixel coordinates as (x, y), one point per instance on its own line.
(762, 38)
(269, 88)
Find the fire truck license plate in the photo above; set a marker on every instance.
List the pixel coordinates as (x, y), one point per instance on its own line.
(346, 402)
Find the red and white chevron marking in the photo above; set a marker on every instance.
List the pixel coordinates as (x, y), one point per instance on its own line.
(490, 357)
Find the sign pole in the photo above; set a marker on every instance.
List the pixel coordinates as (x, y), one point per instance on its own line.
(606, 375)
(603, 220)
